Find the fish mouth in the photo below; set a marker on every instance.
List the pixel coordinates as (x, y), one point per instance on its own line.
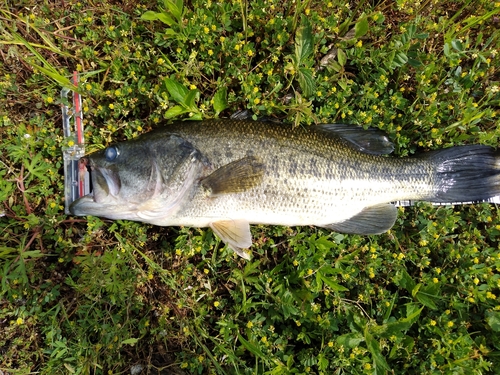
(105, 189)
(105, 183)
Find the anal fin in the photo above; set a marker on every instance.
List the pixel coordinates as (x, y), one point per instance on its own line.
(235, 234)
(372, 220)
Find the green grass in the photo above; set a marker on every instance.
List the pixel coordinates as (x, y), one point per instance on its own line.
(91, 296)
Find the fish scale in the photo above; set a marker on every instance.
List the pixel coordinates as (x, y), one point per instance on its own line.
(288, 185)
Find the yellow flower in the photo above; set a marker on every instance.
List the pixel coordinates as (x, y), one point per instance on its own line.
(19, 321)
(359, 43)
(50, 100)
(249, 325)
(216, 304)
(432, 322)
(111, 106)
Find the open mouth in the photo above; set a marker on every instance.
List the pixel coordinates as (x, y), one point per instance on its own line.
(105, 182)
(104, 189)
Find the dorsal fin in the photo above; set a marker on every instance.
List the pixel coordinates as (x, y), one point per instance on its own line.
(371, 141)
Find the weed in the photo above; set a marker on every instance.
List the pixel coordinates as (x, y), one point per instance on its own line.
(88, 296)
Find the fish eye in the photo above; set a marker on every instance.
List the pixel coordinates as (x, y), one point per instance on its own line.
(111, 153)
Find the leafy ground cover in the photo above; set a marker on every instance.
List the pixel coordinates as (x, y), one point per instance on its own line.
(91, 296)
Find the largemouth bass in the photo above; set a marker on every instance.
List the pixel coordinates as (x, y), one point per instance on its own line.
(228, 174)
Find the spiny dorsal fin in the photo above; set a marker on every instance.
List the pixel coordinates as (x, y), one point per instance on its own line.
(371, 141)
(235, 177)
(235, 234)
(372, 220)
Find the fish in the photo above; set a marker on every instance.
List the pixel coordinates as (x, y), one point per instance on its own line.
(228, 174)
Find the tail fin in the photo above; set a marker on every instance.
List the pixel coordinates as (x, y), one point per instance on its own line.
(466, 173)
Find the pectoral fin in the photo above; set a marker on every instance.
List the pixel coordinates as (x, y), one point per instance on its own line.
(372, 220)
(235, 177)
(236, 235)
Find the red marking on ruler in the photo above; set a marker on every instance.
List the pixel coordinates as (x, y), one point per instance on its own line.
(79, 133)
(78, 114)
